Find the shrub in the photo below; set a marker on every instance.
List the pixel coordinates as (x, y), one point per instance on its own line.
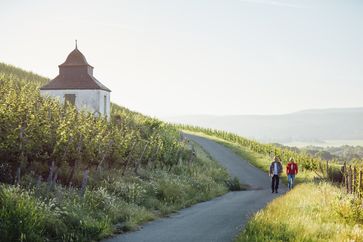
(233, 184)
(22, 217)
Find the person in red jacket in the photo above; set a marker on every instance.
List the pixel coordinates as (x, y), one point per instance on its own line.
(291, 171)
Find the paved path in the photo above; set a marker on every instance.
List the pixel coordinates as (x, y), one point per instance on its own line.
(218, 220)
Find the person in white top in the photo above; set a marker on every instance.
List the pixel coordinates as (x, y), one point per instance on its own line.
(275, 171)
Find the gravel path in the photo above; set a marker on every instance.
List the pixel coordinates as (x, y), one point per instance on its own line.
(217, 220)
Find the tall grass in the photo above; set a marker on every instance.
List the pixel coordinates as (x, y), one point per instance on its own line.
(116, 204)
(310, 212)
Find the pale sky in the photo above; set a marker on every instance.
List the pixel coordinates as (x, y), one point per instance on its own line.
(176, 57)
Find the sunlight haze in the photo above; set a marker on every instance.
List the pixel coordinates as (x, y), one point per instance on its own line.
(166, 58)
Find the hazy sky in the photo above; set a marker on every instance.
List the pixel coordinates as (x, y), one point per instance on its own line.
(172, 57)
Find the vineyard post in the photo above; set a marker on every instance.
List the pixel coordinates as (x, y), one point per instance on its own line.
(22, 156)
(192, 154)
(345, 177)
(105, 153)
(17, 175)
(129, 157)
(99, 168)
(179, 156)
(138, 163)
(79, 147)
(154, 155)
(354, 183)
(350, 179)
(39, 180)
(360, 182)
(55, 177)
(157, 152)
(84, 181)
(50, 176)
(69, 179)
(37, 186)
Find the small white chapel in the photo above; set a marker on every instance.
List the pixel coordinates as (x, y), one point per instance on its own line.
(76, 85)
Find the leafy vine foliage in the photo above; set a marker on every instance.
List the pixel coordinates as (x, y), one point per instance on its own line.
(42, 138)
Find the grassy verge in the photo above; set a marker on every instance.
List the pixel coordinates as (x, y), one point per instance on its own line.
(310, 212)
(258, 160)
(116, 204)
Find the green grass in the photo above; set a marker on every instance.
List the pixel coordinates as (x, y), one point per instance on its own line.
(116, 204)
(258, 160)
(310, 212)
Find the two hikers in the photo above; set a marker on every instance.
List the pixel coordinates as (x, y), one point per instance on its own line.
(276, 170)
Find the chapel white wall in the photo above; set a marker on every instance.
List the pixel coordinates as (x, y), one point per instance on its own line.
(102, 109)
(90, 100)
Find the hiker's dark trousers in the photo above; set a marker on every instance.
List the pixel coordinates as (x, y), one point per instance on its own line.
(275, 183)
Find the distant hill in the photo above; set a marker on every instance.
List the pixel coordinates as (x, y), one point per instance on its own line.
(306, 126)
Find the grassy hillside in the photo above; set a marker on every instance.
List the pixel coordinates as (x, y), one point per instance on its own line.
(321, 168)
(68, 176)
(259, 160)
(13, 72)
(38, 132)
(315, 210)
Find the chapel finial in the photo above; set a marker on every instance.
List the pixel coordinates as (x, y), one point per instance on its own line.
(76, 44)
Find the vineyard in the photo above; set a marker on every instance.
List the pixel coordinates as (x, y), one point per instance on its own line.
(39, 134)
(350, 176)
(326, 204)
(66, 175)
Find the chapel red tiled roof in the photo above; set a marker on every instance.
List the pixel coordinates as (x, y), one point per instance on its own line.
(75, 73)
(75, 58)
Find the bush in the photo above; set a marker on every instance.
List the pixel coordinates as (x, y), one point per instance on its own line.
(60, 214)
(233, 184)
(22, 217)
